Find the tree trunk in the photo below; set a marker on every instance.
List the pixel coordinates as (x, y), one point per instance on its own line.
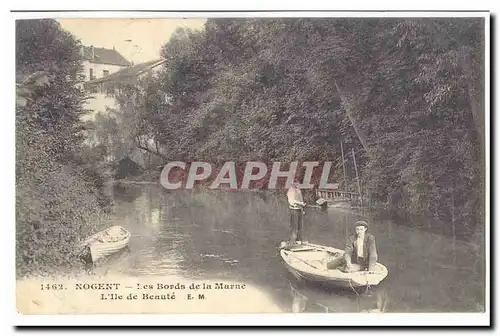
(145, 146)
(157, 148)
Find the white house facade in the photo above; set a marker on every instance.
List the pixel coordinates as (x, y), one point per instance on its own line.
(99, 63)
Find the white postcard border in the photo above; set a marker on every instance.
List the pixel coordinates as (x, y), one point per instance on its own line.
(456, 319)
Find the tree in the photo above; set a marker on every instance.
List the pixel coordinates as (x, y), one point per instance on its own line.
(57, 201)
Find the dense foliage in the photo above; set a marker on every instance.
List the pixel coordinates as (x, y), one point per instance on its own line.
(58, 188)
(406, 95)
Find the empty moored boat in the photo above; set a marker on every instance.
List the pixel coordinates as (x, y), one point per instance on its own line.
(107, 242)
(305, 261)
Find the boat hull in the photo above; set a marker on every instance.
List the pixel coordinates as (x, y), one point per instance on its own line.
(107, 242)
(305, 263)
(322, 280)
(103, 250)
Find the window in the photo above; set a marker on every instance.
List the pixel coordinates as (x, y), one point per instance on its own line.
(91, 73)
(105, 73)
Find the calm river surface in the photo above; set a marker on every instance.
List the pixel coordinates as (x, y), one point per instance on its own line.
(234, 236)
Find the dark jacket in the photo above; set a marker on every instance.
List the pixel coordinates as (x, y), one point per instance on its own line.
(369, 250)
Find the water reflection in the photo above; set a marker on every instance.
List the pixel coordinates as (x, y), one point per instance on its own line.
(309, 298)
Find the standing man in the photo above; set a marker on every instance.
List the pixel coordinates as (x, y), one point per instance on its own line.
(361, 250)
(296, 205)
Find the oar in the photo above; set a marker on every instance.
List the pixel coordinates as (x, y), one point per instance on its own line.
(305, 262)
(324, 248)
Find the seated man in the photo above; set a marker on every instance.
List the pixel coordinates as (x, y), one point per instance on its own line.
(360, 252)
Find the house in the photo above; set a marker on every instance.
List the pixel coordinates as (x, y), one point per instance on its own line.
(104, 88)
(128, 75)
(99, 63)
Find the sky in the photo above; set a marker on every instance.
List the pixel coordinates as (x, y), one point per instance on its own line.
(138, 40)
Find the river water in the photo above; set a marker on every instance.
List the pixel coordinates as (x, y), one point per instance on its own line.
(234, 236)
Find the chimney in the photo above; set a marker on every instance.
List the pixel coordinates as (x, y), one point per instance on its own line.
(82, 51)
(92, 52)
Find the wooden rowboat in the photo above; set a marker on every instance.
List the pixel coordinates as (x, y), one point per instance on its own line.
(107, 242)
(305, 261)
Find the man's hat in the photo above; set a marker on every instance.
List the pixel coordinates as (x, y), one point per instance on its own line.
(361, 223)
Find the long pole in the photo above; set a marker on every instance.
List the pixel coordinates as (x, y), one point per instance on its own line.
(357, 177)
(453, 227)
(343, 165)
(348, 107)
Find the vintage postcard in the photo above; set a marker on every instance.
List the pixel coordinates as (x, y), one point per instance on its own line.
(295, 165)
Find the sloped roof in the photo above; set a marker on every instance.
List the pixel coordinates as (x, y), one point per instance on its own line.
(105, 56)
(125, 74)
